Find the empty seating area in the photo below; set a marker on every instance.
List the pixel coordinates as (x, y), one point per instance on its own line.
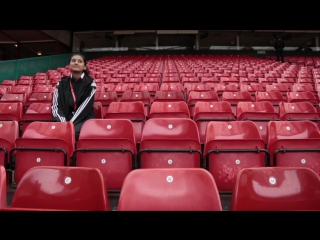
(165, 125)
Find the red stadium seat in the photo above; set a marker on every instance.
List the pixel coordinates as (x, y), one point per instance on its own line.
(61, 188)
(298, 111)
(172, 86)
(172, 109)
(294, 144)
(109, 145)
(276, 189)
(171, 143)
(39, 97)
(43, 144)
(180, 189)
(195, 96)
(143, 96)
(98, 110)
(9, 132)
(230, 147)
(234, 97)
(168, 96)
(258, 112)
(302, 97)
(36, 112)
(3, 188)
(14, 97)
(274, 97)
(205, 112)
(105, 98)
(11, 111)
(134, 111)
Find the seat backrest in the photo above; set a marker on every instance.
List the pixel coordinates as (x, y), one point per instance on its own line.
(109, 145)
(22, 89)
(11, 111)
(302, 88)
(220, 88)
(40, 97)
(63, 131)
(171, 79)
(43, 89)
(120, 88)
(128, 110)
(170, 142)
(298, 111)
(235, 97)
(209, 79)
(195, 96)
(152, 88)
(213, 110)
(302, 97)
(143, 96)
(233, 130)
(302, 137)
(256, 110)
(98, 110)
(168, 95)
(277, 87)
(198, 87)
(151, 80)
(62, 188)
(251, 87)
(105, 97)
(38, 107)
(14, 97)
(177, 86)
(4, 89)
(108, 129)
(187, 189)
(272, 96)
(171, 109)
(278, 130)
(133, 80)
(230, 146)
(170, 129)
(50, 130)
(9, 132)
(3, 187)
(9, 82)
(276, 189)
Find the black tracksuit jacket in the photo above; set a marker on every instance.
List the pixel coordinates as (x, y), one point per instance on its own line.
(62, 104)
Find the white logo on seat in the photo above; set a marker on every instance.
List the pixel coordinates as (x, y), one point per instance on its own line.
(67, 180)
(169, 179)
(272, 180)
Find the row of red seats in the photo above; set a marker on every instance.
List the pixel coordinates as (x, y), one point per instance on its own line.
(156, 83)
(300, 60)
(44, 93)
(213, 76)
(184, 67)
(111, 146)
(200, 111)
(83, 189)
(149, 94)
(187, 87)
(175, 77)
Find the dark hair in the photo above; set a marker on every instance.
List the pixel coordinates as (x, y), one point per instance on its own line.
(87, 72)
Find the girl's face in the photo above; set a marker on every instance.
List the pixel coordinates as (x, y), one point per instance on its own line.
(77, 64)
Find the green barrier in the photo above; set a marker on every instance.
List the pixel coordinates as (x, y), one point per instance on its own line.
(8, 70)
(14, 69)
